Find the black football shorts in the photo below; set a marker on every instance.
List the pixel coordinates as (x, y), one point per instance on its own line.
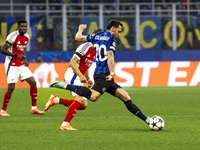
(101, 85)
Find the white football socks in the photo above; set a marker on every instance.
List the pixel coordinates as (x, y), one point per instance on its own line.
(33, 107)
(56, 100)
(65, 123)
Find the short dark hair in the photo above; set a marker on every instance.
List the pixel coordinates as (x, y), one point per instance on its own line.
(21, 21)
(97, 30)
(114, 23)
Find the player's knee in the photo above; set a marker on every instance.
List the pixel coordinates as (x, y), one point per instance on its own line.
(11, 88)
(33, 83)
(93, 98)
(83, 105)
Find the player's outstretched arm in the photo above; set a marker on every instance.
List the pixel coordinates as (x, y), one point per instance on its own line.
(79, 36)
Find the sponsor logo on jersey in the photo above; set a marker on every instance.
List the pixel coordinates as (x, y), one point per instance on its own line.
(21, 47)
(101, 38)
(88, 62)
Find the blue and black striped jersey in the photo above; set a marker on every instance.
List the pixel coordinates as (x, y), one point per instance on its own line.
(103, 42)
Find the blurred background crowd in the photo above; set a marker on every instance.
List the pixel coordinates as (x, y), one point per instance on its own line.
(110, 5)
(155, 29)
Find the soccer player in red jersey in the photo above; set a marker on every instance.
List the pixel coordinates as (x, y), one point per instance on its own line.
(16, 66)
(76, 74)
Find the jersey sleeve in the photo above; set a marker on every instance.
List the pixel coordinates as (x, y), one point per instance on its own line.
(90, 37)
(112, 45)
(27, 36)
(11, 38)
(82, 50)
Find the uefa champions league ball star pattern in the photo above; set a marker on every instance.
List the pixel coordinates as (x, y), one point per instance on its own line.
(156, 123)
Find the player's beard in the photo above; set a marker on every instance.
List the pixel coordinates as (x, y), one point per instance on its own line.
(22, 31)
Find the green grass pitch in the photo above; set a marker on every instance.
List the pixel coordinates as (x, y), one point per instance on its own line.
(105, 124)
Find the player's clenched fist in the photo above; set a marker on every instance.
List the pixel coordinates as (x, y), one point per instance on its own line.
(82, 27)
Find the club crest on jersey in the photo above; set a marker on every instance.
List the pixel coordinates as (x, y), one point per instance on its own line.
(104, 89)
(88, 55)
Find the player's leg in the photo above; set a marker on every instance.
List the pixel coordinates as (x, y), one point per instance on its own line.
(76, 104)
(27, 75)
(12, 78)
(33, 93)
(73, 108)
(33, 90)
(70, 76)
(80, 90)
(6, 100)
(124, 96)
(92, 95)
(53, 100)
(97, 90)
(68, 102)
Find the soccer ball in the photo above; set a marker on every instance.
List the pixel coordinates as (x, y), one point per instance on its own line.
(156, 123)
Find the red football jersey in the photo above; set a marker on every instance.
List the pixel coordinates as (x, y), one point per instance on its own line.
(18, 44)
(86, 55)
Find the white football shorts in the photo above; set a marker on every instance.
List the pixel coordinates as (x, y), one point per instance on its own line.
(20, 72)
(73, 79)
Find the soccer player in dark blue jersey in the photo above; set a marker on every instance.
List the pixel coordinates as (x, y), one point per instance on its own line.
(104, 43)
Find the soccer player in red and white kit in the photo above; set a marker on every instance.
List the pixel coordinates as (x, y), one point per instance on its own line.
(16, 66)
(76, 74)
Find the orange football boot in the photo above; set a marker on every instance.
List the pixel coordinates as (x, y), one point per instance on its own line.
(4, 113)
(50, 102)
(67, 127)
(37, 111)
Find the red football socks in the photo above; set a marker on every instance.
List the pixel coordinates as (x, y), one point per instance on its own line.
(74, 107)
(6, 100)
(33, 93)
(66, 102)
